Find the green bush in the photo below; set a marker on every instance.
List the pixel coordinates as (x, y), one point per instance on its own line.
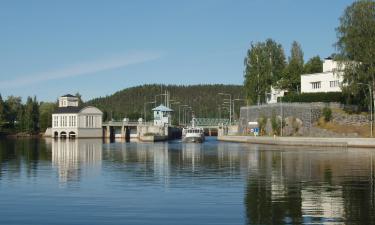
(315, 97)
(275, 123)
(262, 121)
(327, 114)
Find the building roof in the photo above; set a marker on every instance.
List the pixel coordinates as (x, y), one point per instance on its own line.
(162, 108)
(68, 95)
(69, 109)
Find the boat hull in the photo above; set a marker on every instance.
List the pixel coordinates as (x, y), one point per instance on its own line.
(193, 139)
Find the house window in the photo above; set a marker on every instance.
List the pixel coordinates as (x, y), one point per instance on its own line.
(316, 85)
(334, 83)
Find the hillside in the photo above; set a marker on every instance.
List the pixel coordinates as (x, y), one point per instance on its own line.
(204, 99)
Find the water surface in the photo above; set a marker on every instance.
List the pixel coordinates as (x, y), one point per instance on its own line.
(50, 181)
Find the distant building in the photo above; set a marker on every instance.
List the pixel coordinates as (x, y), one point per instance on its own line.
(72, 120)
(274, 95)
(162, 115)
(329, 80)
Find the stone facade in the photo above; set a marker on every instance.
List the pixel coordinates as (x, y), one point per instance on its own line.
(306, 114)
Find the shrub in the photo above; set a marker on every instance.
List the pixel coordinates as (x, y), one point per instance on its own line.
(262, 122)
(275, 123)
(327, 114)
(315, 97)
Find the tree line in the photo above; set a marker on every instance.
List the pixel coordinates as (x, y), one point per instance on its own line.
(266, 65)
(203, 100)
(30, 117)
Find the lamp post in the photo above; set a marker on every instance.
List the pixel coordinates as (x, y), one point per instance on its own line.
(281, 114)
(174, 103)
(230, 106)
(184, 114)
(179, 113)
(237, 99)
(157, 96)
(371, 108)
(144, 109)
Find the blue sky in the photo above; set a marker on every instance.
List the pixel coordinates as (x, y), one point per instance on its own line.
(49, 48)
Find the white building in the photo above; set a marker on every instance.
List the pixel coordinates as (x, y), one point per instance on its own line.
(329, 80)
(71, 120)
(162, 115)
(274, 95)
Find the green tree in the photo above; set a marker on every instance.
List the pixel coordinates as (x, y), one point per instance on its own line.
(356, 47)
(31, 116)
(79, 96)
(2, 112)
(14, 106)
(264, 65)
(291, 80)
(45, 118)
(314, 65)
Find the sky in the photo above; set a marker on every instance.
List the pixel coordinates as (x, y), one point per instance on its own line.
(96, 47)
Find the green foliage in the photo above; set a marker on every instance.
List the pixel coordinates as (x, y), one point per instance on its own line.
(327, 114)
(276, 124)
(314, 65)
(2, 113)
(262, 122)
(130, 102)
(291, 79)
(315, 97)
(264, 66)
(356, 46)
(46, 109)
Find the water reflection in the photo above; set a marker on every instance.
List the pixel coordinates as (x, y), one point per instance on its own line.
(210, 182)
(319, 187)
(70, 156)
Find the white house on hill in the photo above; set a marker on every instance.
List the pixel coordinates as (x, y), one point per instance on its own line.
(329, 80)
(72, 120)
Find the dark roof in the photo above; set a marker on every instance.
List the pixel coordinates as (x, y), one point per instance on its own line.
(68, 95)
(329, 58)
(69, 109)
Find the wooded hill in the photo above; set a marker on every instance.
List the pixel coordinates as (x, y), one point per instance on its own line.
(204, 100)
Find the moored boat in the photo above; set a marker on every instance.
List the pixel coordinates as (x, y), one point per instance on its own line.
(193, 133)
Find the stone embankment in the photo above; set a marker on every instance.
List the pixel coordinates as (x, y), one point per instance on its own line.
(303, 141)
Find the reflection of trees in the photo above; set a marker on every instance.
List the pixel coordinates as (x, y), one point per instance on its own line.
(69, 155)
(311, 187)
(269, 198)
(22, 155)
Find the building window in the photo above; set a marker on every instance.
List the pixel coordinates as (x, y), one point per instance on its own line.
(316, 85)
(334, 83)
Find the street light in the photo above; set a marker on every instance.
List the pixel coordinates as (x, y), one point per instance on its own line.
(371, 109)
(144, 109)
(237, 99)
(184, 110)
(230, 106)
(179, 113)
(157, 96)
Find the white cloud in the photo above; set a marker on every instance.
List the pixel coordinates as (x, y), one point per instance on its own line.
(81, 69)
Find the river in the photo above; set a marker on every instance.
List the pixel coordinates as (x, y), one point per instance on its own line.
(46, 181)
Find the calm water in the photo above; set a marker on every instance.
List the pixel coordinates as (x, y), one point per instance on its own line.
(90, 182)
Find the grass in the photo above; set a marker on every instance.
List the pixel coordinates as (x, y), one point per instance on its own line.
(362, 131)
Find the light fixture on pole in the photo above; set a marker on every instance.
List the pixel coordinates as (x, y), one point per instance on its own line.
(230, 106)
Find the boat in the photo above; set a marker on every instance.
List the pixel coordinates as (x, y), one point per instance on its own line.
(193, 133)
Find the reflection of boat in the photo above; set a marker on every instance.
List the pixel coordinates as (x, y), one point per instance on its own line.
(193, 133)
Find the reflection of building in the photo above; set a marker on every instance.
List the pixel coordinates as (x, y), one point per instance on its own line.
(322, 204)
(191, 154)
(70, 156)
(71, 120)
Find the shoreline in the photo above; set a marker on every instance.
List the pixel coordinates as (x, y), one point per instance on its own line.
(303, 141)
